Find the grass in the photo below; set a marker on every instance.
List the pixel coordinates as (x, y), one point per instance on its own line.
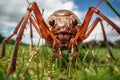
(91, 64)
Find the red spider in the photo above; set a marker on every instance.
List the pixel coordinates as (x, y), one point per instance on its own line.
(62, 30)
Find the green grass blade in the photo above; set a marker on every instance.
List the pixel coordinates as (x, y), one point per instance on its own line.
(110, 5)
(2, 75)
(27, 75)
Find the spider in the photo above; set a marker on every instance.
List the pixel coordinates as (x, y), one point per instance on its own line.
(62, 31)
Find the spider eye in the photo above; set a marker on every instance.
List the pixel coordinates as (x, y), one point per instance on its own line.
(52, 22)
(74, 22)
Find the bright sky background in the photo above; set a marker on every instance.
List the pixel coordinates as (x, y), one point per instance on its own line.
(11, 11)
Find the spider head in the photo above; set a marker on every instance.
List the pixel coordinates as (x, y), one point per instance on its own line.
(64, 24)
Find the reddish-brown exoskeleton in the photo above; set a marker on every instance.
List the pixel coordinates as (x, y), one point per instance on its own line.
(62, 31)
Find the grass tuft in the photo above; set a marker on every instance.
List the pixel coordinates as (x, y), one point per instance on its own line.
(91, 64)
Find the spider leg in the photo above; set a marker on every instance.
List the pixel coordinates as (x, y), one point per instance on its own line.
(106, 41)
(74, 51)
(57, 51)
(8, 38)
(18, 39)
(44, 31)
(81, 34)
(103, 32)
(40, 26)
(86, 22)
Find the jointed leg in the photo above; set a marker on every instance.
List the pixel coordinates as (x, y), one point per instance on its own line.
(8, 38)
(18, 39)
(13, 62)
(83, 33)
(57, 51)
(86, 22)
(39, 25)
(74, 51)
(106, 41)
(103, 32)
